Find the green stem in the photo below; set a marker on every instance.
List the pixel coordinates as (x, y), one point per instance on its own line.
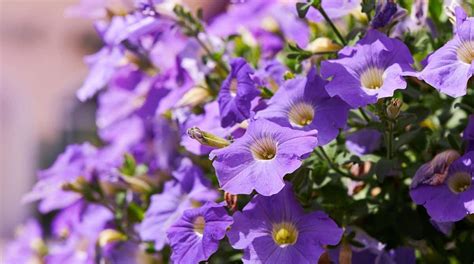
(334, 28)
(211, 55)
(334, 166)
(364, 115)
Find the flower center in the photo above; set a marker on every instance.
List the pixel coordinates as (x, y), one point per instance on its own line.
(459, 182)
(465, 51)
(199, 224)
(233, 87)
(264, 148)
(301, 114)
(284, 234)
(372, 78)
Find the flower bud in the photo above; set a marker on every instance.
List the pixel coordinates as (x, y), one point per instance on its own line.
(323, 45)
(345, 255)
(207, 139)
(195, 96)
(78, 185)
(136, 184)
(393, 108)
(109, 236)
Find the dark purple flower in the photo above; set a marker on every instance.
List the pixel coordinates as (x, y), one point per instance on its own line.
(77, 161)
(237, 92)
(189, 190)
(468, 134)
(373, 251)
(370, 70)
(195, 236)
(28, 245)
(450, 67)
(386, 12)
(364, 141)
(262, 157)
(275, 229)
(303, 104)
(447, 196)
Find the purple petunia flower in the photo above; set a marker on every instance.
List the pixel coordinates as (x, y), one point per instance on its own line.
(236, 94)
(76, 161)
(262, 157)
(275, 229)
(371, 250)
(196, 235)
(370, 70)
(303, 104)
(450, 67)
(387, 12)
(189, 190)
(364, 141)
(80, 226)
(447, 195)
(28, 245)
(334, 9)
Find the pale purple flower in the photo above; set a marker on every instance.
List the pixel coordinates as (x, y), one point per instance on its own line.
(334, 8)
(372, 69)
(195, 236)
(80, 226)
(450, 67)
(262, 157)
(303, 104)
(448, 196)
(28, 245)
(386, 13)
(190, 189)
(77, 160)
(237, 92)
(275, 229)
(102, 65)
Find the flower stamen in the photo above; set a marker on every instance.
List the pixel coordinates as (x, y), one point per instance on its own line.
(198, 225)
(465, 51)
(301, 114)
(284, 234)
(233, 87)
(264, 148)
(372, 78)
(459, 182)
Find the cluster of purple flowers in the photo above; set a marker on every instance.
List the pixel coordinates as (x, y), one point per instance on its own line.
(188, 120)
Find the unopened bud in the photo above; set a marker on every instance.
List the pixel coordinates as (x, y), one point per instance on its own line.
(137, 184)
(323, 45)
(78, 185)
(109, 236)
(196, 96)
(207, 139)
(393, 108)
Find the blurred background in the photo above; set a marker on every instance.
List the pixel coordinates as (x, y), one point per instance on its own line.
(41, 67)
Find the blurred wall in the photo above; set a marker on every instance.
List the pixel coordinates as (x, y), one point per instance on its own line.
(41, 66)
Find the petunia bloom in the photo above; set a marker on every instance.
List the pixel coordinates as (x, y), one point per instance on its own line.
(448, 194)
(303, 104)
(189, 190)
(372, 69)
(196, 235)
(236, 94)
(262, 157)
(28, 245)
(364, 141)
(450, 67)
(275, 229)
(468, 134)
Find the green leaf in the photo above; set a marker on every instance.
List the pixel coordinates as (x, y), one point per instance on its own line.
(384, 168)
